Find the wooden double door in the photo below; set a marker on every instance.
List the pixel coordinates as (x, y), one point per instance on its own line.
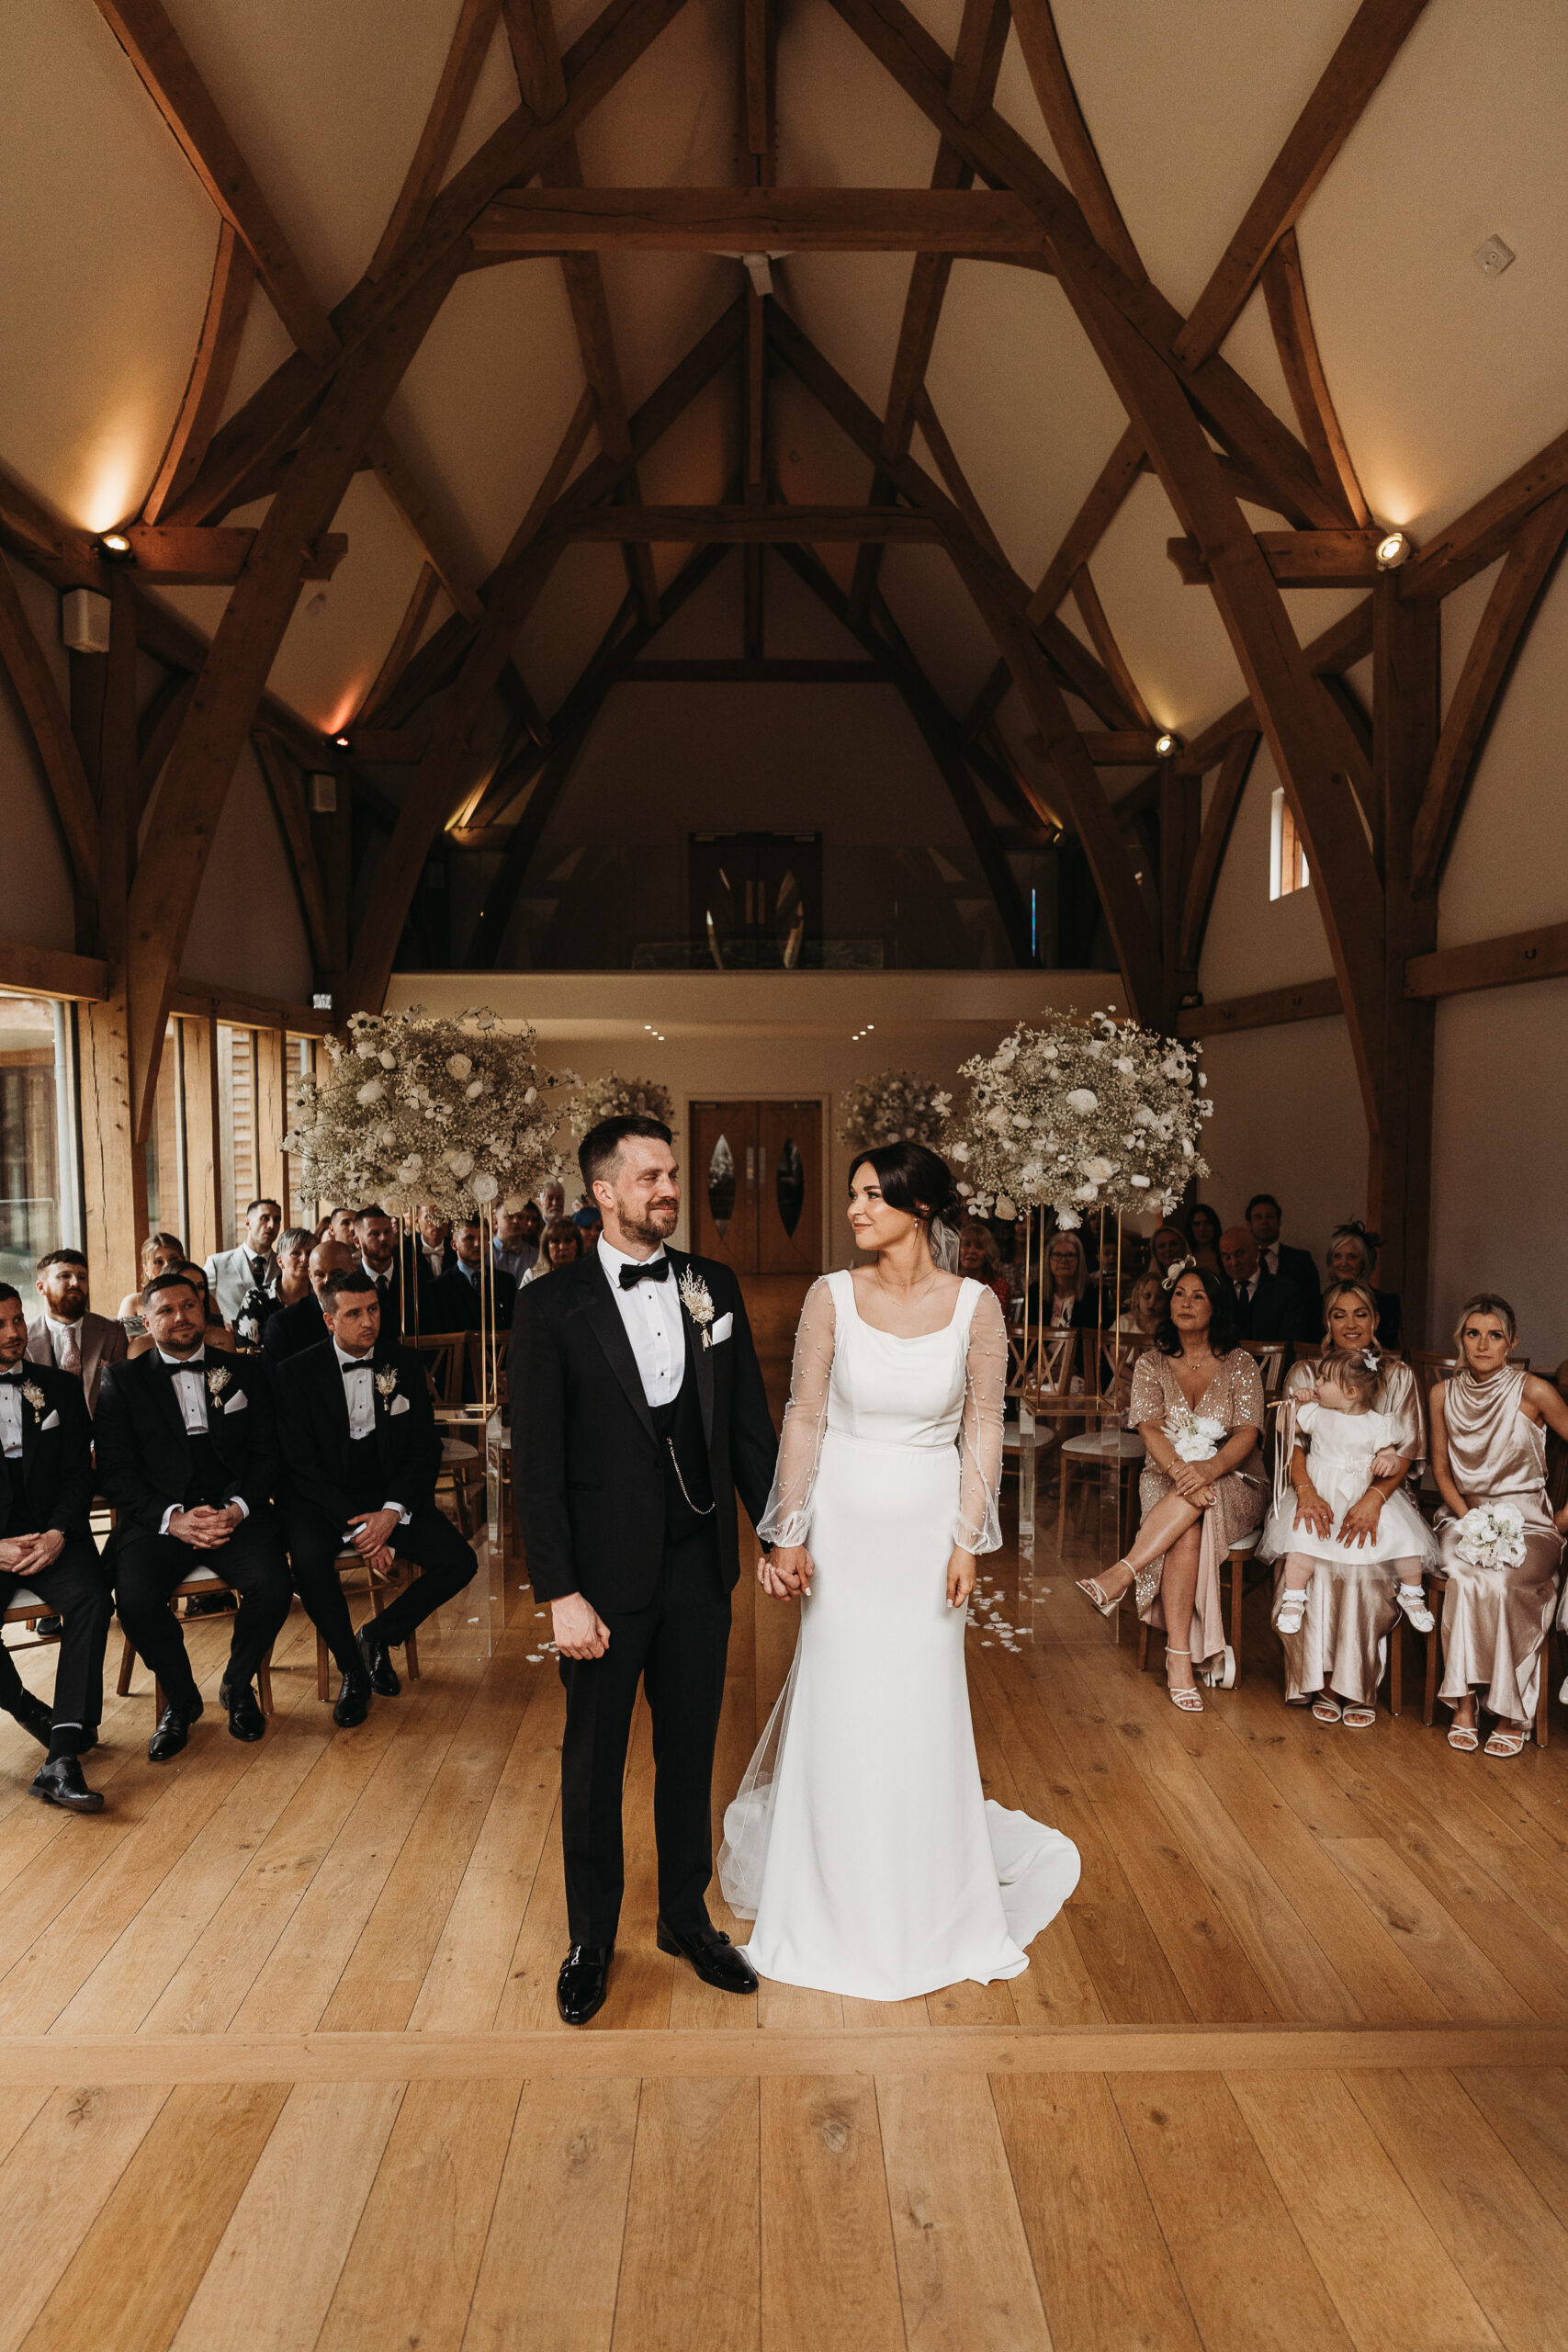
(754, 1183)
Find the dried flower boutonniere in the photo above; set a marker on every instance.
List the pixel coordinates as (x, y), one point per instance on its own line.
(387, 1381)
(698, 1300)
(218, 1379)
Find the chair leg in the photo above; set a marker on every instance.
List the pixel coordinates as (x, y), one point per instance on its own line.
(264, 1681)
(1061, 1510)
(323, 1684)
(126, 1666)
(1396, 1665)
(1429, 1712)
(410, 1656)
(1543, 1699)
(1143, 1644)
(1238, 1596)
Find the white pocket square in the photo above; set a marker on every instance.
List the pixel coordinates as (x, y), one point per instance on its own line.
(722, 1328)
(49, 1422)
(399, 1405)
(237, 1403)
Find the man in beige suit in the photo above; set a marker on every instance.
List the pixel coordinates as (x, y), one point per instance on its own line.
(62, 1330)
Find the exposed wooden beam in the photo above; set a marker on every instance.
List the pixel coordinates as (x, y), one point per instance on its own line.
(1486, 530)
(1122, 747)
(427, 525)
(1370, 43)
(1085, 595)
(288, 794)
(1515, 595)
(1519, 956)
(1340, 648)
(954, 479)
(389, 746)
(753, 672)
(66, 557)
(1213, 843)
(212, 371)
(1341, 558)
(693, 526)
(1047, 67)
(185, 556)
(32, 680)
(27, 970)
(459, 77)
(216, 1000)
(1270, 1009)
(1284, 291)
(409, 629)
(752, 220)
(156, 730)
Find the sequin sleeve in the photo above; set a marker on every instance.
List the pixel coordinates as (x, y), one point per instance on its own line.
(1148, 1399)
(788, 1512)
(976, 1527)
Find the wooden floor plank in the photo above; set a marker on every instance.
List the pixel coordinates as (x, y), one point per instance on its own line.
(692, 2221)
(1350, 2206)
(553, 2255)
(132, 2277)
(54, 2184)
(965, 2274)
(643, 1983)
(828, 2272)
(1457, 1969)
(269, 2286)
(1106, 2278)
(1223, 2219)
(527, 2003)
(1528, 2108)
(424, 2222)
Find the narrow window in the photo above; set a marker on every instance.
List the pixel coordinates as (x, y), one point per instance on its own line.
(1287, 858)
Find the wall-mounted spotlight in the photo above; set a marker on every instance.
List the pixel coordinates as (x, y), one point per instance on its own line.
(342, 743)
(1392, 550)
(116, 544)
(1166, 746)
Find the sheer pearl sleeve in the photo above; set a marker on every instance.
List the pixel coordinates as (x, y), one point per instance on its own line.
(788, 1512)
(976, 1527)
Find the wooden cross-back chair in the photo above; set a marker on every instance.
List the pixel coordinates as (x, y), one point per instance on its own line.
(200, 1583)
(445, 1355)
(1109, 1358)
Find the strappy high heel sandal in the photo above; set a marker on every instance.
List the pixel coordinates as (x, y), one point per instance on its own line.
(1187, 1700)
(1143, 1587)
(1464, 1738)
(1505, 1742)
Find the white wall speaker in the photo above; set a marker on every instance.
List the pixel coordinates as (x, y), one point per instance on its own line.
(85, 621)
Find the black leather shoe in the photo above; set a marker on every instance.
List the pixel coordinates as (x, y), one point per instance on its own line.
(88, 1740)
(210, 1605)
(353, 1701)
(61, 1783)
(49, 1629)
(378, 1665)
(584, 1982)
(713, 1956)
(174, 1730)
(246, 1720)
(33, 1717)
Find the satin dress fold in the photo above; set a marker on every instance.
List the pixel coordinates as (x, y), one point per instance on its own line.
(1495, 1621)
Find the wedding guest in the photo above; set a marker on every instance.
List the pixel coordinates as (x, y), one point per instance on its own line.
(455, 1303)
(552, 1200)
(294, 1248)
(160, 1253)
(46, 1544)
(301, 1326)
(232, 1275)
(1198, 1405)
(1489, 1424)
(1203, 1230)
(187, 1454)
(981, 1261)
(1067, 1297)
(340, 1226)
(218, 1334)
(1267, 1307)
(363, 1455)
(1350, 1551)
(1352, 1258)
(1145, 1310)
(590, 1224)
(427, 1254)
(1168, 1248)
(562, 1244)
(62, 1328)
(374, 1238)
(1295, 1266)
(515, 1247)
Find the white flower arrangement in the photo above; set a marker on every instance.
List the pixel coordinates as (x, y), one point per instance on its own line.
(456, 1113)
(698, 1300)
(895, 1106)
(1491, 1536)
(1078, 1115)
(1196, 1437)
(611, 1096)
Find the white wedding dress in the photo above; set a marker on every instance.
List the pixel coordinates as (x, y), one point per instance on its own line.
(861, 1841)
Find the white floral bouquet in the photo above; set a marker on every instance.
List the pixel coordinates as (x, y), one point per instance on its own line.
(612, 1096)
(1078, 1115)
(1196, 1437)
(896, 1106)
(1491, 1536)
(457, 1112)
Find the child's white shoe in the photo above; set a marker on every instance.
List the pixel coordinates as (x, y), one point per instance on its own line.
(1292, 1609)
(1412, 1601)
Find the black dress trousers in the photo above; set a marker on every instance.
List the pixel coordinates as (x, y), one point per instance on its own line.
(148, 1568)
(77, 1590)
(676, 1647)
(445, 1562)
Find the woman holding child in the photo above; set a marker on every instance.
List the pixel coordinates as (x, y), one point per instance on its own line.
(1350, 1545)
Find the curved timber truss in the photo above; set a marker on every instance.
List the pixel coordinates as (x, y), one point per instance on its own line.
(1375, 795)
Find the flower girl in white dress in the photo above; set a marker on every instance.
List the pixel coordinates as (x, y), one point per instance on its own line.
(861, 1841)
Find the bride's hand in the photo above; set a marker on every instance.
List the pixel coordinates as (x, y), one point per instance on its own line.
(960, 1578)
(786, 1572)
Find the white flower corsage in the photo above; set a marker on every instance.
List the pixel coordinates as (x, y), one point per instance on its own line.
(1491, 1536)
(34, 1395)
(1196, 1437)
(698, 1300)
(387, 1381)
(218, 1379)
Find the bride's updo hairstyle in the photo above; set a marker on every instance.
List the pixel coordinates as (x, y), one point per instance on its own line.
(919, 1182)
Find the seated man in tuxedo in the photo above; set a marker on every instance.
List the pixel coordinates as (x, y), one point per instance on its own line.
(1297, 1266)
(375, 1236)
(517, 1239)
(1267, 1307)
(62, 1330)
(232, 1275)
(303, 1325)
(340, 1227)
(428, 1253)
(187, 1454)
(363, 1455)
(454, 1299)
(46, 1544)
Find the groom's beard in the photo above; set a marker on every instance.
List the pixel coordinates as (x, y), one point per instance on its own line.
(656, 1224)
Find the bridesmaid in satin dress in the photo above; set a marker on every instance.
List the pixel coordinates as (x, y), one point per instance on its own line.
(1489, 1424)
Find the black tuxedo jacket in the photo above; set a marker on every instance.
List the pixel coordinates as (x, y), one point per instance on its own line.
(319, 1454)
(586, 1460)
(293, 1328)
(144, 1456)
(1299, 1266)
(1276, 1311)
(55, 1473)
(391, 1298)
(413, 1263)
(454, 1301)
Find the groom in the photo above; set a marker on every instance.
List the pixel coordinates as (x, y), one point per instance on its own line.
(637, 1408)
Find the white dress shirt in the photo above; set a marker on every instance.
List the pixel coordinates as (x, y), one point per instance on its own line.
(653, 1315)
(190, 1383)
(360, 1388)
(11, 1419)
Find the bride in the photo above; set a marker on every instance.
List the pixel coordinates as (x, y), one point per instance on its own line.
(861, 1842)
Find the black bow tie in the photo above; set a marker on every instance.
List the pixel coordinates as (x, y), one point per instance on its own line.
(18, 1374)
(652, 1270)
(350, 1369)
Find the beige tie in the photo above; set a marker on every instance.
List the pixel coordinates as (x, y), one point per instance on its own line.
(71, 1356)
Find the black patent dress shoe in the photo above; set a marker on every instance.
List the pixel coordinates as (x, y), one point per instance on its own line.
(378, 1665)
(246, 1720)
(584, 1982)
(60, 1783)
(713, 1956)
(33, 1717)
(49, 1629)
(174, 1730)
(210, 1605)
(353, 1701)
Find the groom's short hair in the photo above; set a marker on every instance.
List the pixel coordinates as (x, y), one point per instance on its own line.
(601, 1146)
